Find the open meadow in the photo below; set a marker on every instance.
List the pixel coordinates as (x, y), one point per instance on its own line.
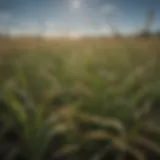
(80, 99)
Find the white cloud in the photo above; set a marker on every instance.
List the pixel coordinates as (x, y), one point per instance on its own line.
(76, 4)
(49, 24)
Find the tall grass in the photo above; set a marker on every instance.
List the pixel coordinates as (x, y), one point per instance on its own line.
(90, 99)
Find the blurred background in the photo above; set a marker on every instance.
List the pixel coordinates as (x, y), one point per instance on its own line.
(77, 18)
(79, 79)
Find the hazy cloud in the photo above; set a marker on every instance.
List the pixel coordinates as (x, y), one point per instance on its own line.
(4, 16)
(109, 9)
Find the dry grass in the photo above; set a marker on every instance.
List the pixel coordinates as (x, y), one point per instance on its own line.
(7, 45)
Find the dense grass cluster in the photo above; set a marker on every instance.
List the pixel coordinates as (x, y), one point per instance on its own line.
(80, 100)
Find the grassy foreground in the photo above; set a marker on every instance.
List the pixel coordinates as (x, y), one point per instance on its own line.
(91, 99)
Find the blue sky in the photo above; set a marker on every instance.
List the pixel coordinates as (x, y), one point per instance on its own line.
(52, 17)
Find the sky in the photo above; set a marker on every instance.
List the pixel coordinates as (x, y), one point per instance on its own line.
(76, 17)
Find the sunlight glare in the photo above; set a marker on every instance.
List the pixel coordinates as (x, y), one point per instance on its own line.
(75, 4)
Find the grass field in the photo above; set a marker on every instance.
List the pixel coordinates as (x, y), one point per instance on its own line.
(84, 99)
